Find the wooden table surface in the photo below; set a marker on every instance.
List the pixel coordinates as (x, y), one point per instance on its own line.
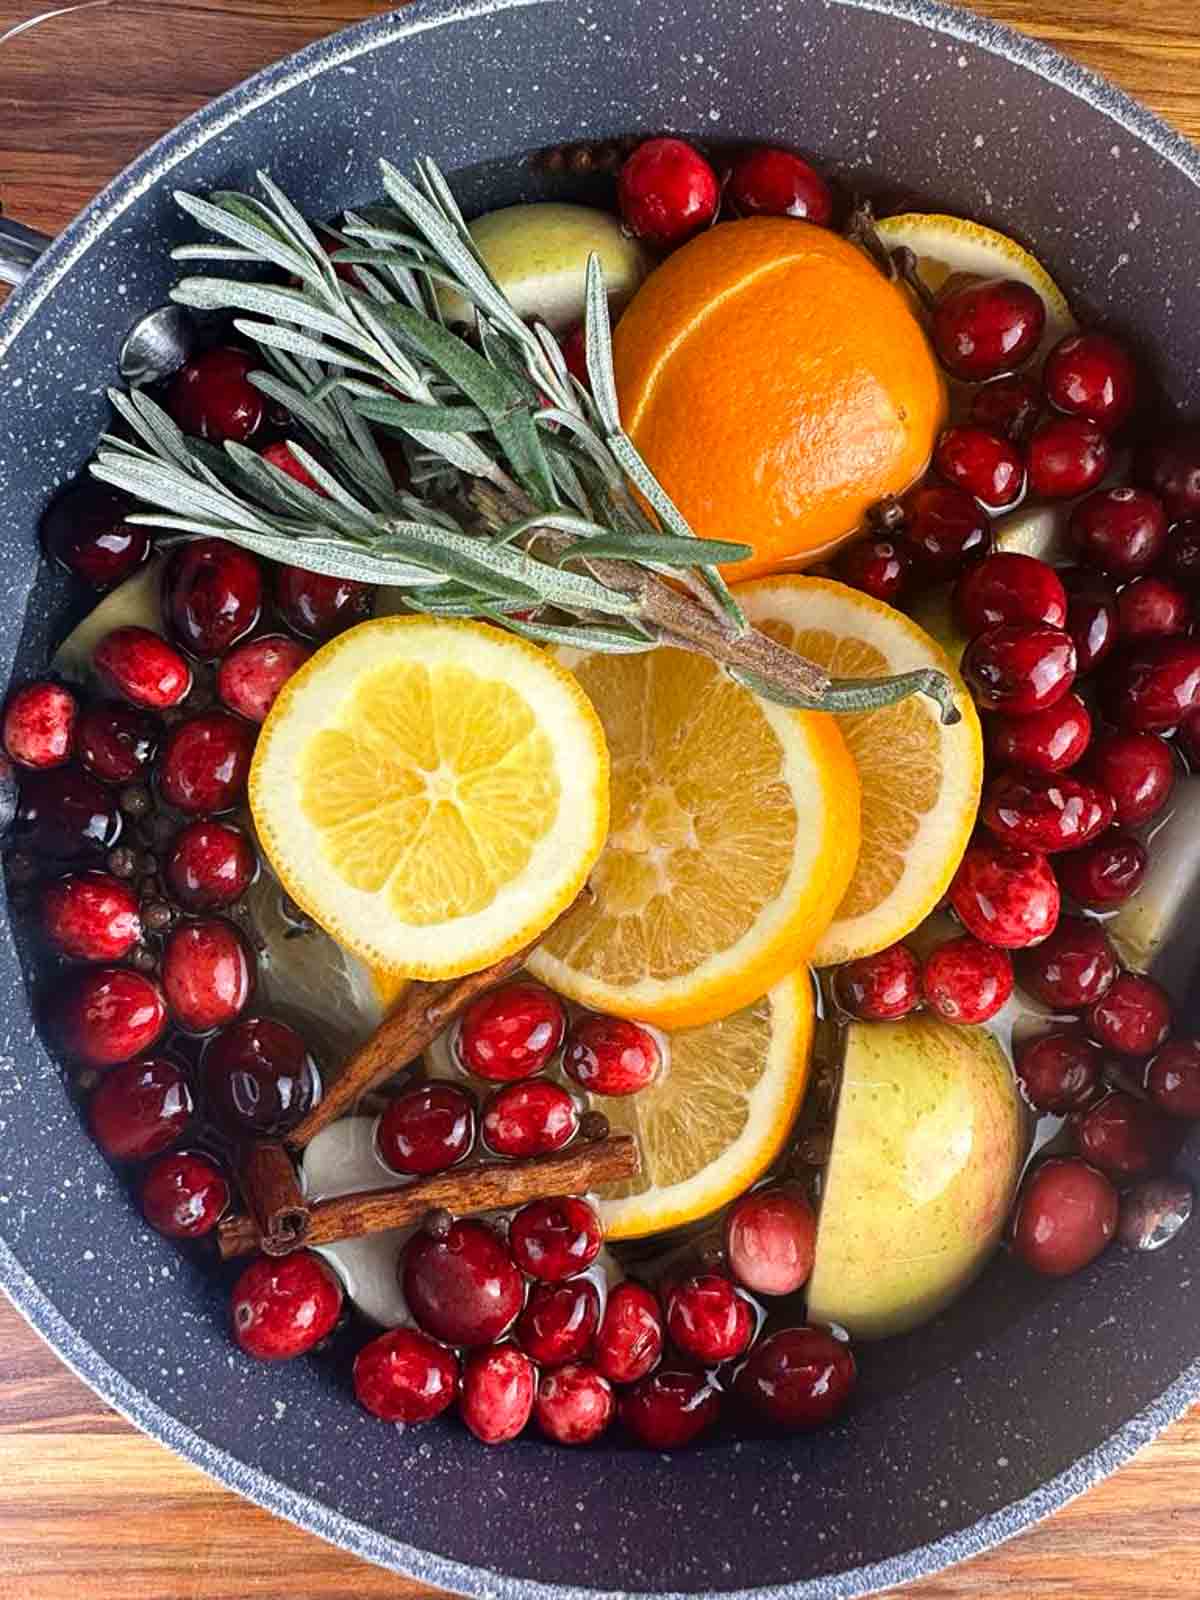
(88, 1507)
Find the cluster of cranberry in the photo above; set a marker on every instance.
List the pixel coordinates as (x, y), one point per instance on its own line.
(515, 1321)
(125, 839)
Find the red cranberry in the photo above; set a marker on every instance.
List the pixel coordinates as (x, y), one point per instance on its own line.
(798, 1378)
(278, 453)
(1188, 737)
(775, 183)
(1073, 967)
(1048, 741)
(462, 1286)
(142, 667)
(1123, 1136)
(116, 742)
(1091, 618)
(987, 328)
(667, 191)
(184, 1195)
(574, 1404)
(771, 1240)
(1171, 468)
(946, 529)
(1153, 608)
(573, 345)
(1173, 1078)
(669, 1410)
(1047, 813)
(1090, 375)
(879, 567)
(511, 1032)
(1137, 770)
(1107, 873)
(965, 981)
(881, 987)
(426, 1129)
(140, 1108)
(213, 398)
(65, 816)
(1019, 668)
(208, 973)
(259, 1077)
(1182, 559)
(529, 1119)
(110, 1015)
(1133, 1018)
(1004, 896)
(555, 1239)
(611, 1056)
(209, 865)
(1066, 1216)
(496, 1394)
(284, 1306)
(1067, 456)
(1121, 531)
(91, 917)
(1060, 1072)
(629, 1339)
(212, 593)
(1008, 406)
(559, 1321)
(708, 1319)
(252, 674)
(1008, 587)
(985, 465)
(85, 531)
(205, 762)
(39, 725)
(319, 607)
(405, 1376)
(1154, 688)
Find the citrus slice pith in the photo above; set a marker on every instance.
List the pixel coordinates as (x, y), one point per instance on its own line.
(432, 793)
(734, 834)
(719, 1115)
(920, 780)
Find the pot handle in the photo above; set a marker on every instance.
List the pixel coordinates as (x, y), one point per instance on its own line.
(19, 249)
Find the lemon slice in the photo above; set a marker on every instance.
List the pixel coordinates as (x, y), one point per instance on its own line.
(920, 780)
(718, 1116)
(734, 835)
(432, 793)
(945, 245)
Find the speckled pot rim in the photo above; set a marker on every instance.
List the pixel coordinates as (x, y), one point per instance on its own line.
(72, 245)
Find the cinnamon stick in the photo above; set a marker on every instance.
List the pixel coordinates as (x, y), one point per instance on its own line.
(423, 1011)
(491, 1186)
(280, 1213)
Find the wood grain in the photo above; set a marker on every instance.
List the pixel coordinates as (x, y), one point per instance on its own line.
(88, 1507)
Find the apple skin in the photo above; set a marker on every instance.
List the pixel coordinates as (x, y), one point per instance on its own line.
(538, 254)
(929, 1141)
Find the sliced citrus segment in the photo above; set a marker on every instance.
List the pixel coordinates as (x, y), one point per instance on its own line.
(432, 793)
(719, 1114)
(920, 780)
(734, 834)
(946, 245)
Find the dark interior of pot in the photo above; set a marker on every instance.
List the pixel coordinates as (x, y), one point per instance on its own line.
(1024, 1391)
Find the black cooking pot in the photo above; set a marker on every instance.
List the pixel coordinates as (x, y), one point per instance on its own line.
(1020, 1396)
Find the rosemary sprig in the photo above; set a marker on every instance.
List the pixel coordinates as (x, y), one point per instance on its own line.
(527, 503)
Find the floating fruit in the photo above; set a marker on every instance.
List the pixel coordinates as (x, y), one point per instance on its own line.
(927, 1147)
(707, 892)
(136, 603)
(920, 780)
(778, 386)
(538, 254)
(432, 793)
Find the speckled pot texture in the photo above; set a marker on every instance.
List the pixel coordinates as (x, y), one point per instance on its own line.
(1024, 1393)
